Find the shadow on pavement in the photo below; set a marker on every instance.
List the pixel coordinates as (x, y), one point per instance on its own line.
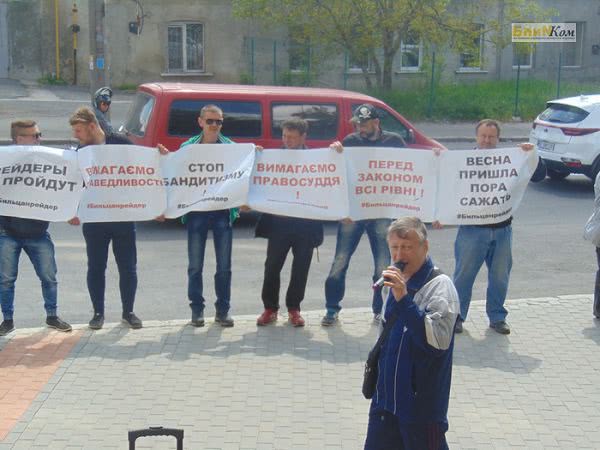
(333, 345)
(593, 332)
(493, 351)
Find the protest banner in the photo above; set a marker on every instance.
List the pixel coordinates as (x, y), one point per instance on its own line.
(207, 177)
(126, 183)
(300, 183)
(123, 183)
(39, 183)
(391, 182)
(482, 186)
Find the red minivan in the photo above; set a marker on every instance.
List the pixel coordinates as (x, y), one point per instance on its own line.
(167, 113)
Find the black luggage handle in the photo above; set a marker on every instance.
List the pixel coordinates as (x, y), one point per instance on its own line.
(156, 431)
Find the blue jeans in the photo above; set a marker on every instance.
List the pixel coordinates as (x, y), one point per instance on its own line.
(41, 253)
(198, 224)
(98, 236)
(475, 245)
(348, 237)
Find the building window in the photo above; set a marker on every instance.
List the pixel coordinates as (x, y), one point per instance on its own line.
(186, 47)
(299, 55)
(411, 52)
(572, 52)
(472, 59)
(522, 55)
(356, 63)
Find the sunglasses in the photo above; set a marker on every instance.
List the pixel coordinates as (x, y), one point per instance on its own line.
(34, 135)
(219, 122)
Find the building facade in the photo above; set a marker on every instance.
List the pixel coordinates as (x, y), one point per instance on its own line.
(125, 43)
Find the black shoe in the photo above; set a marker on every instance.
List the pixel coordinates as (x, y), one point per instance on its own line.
(57, 323)
(500, 327)
(132, 320)
(458, 328)
(6, 327)
(225, 320)
(97, 321)
(198, 319)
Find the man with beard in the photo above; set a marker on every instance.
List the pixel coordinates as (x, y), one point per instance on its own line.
(368, 134)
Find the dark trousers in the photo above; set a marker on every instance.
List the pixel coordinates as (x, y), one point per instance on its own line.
(385, 432)
(98, 236)
(597, 287)
(278, 247)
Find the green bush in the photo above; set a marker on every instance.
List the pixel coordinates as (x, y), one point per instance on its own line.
(51, 79)
(468, 102)
(246, 78)
(127, 87)
(293, 78)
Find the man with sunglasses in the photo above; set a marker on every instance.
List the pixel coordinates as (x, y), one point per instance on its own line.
(17, 234)
(220, 222)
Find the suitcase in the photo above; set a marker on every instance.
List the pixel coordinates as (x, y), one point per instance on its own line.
(156, 431)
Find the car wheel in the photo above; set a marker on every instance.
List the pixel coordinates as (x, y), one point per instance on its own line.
(594, 170)
(556, 175)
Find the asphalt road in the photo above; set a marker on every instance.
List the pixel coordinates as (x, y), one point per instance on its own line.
(550, 258)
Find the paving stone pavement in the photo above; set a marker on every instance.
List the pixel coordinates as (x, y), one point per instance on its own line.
(280, 387)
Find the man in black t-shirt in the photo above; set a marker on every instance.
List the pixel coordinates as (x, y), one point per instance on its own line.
(368, 134)
(98, 235)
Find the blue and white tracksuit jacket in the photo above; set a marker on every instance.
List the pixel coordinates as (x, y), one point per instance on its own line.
(415, 363)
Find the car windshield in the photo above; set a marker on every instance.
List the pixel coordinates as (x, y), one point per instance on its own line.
(139, 114)
(560, 113)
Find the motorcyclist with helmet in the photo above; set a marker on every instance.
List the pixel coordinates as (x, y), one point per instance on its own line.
(101, 103)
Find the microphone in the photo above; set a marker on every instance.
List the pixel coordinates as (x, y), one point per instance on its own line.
(398, 264)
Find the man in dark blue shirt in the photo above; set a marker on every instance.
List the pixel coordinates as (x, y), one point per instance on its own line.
(410, 405)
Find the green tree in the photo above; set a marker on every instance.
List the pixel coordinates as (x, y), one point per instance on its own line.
(371, 31)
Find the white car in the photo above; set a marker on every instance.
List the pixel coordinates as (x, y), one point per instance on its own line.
(567, 136)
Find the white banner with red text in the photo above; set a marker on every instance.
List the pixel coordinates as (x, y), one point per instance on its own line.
(207, 177)
(123, 183)
(39, 183)
(384, 182)
(300, 183)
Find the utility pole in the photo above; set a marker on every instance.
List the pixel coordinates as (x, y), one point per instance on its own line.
(99, 74)
(75, 29)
